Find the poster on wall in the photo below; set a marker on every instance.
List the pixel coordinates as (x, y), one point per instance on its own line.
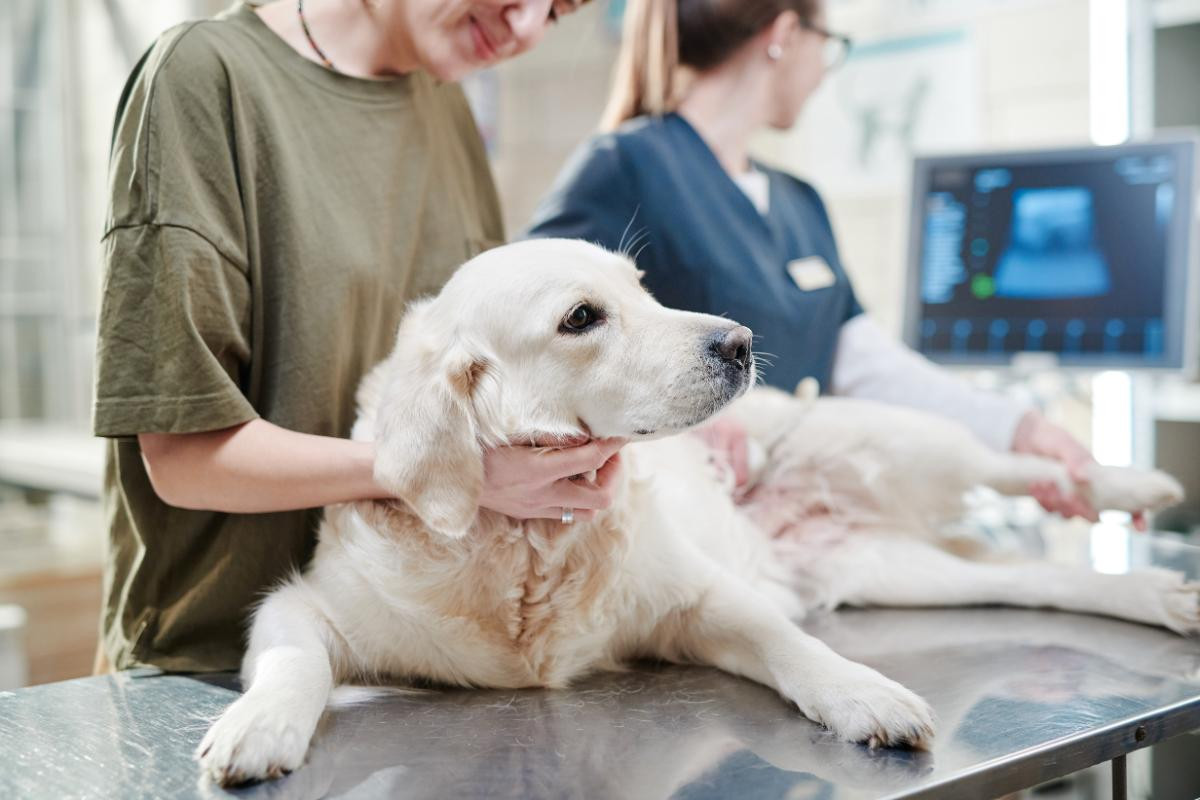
(892, 98)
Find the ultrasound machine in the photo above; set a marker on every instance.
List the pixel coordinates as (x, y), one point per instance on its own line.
(1075, 262)
(1083, 256)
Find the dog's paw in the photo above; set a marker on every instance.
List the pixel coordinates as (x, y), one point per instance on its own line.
(860, 705)
(251, 743)
(1128, 489)
(1153, 597)
(1173, 602)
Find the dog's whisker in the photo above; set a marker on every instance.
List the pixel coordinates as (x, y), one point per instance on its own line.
(624, 233)
(639, 240)
(633, 241)
(638, 254)
(761, 359)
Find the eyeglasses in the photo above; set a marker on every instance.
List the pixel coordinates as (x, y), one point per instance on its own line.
(837, 45)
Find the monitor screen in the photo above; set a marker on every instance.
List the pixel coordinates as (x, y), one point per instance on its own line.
(1080, 253)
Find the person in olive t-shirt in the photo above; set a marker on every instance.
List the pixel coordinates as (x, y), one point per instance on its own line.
(284, 179)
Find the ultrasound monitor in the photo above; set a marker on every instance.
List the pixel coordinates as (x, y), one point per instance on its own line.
(1082, 254)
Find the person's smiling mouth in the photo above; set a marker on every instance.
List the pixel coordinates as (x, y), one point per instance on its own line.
(485, 50)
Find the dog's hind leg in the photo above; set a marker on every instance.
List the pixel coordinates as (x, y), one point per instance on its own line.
(1117, 488)
(287, 677)
(867, 570)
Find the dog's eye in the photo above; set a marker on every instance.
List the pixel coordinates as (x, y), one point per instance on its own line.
(580, 318)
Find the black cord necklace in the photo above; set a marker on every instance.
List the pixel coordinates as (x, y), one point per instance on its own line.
(304, 24)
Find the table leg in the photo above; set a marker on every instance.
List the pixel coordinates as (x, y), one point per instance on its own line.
(1118, 778)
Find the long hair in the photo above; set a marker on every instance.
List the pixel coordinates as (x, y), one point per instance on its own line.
(660, 36)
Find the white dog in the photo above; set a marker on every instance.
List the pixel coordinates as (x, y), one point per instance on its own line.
(557, 338)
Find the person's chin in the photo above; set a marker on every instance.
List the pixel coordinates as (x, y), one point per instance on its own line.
(454, 64)
(451, 68)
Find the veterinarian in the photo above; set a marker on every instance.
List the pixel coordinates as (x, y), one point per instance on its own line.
(283, 180)
(670, 181)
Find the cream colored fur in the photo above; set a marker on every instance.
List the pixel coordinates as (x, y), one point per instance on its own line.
(431, 588)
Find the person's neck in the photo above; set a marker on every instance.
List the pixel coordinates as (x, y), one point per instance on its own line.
(725, 106)
(359, 39)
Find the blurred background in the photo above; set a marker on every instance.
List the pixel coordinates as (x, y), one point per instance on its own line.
(924, 76)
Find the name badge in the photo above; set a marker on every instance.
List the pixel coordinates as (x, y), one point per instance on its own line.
(811, 273)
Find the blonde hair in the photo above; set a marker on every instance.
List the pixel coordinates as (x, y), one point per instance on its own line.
(661, 36)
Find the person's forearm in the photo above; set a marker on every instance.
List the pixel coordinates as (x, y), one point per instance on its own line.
(258, 467)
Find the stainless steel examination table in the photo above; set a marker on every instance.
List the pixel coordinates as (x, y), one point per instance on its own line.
(1021, 697)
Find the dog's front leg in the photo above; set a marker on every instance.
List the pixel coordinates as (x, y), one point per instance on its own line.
(731, 627)
(287, 677)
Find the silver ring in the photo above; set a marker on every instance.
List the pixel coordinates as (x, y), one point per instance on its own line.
(568, 516)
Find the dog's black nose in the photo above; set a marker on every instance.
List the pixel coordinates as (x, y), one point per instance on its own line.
(733, 345)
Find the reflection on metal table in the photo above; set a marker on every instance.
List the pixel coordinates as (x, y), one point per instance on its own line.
(1021, 697)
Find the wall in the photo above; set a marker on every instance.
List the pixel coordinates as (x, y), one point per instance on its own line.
(1029, 64)
(550, 100)
(1177, 71)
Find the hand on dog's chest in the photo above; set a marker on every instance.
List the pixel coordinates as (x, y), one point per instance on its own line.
(811, 273)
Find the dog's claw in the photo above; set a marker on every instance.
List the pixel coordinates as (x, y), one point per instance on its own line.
(864, 706)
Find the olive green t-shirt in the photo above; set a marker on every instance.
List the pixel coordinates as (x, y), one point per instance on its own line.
(269, 220)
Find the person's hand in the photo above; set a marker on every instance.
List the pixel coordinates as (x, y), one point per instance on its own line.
(1037, 436)
(538, 483)
(726, 438)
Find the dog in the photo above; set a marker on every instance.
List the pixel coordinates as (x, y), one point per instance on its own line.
(555, 339)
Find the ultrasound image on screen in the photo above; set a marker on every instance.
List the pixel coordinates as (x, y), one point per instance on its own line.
(1052, 253)
(1060, 257)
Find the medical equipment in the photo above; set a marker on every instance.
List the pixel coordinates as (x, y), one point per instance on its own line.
(1084, 256)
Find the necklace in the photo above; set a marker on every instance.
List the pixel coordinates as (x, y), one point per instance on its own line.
(304, 24)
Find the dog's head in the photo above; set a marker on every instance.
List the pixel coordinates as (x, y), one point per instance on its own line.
(537, 340)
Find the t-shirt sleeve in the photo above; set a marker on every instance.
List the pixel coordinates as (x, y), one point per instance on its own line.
(174, 338)
(173, 345)
(593, 199)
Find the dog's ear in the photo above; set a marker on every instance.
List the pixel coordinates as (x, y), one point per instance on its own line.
(427, 451)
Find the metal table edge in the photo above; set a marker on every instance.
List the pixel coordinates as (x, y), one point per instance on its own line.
(1057, 759)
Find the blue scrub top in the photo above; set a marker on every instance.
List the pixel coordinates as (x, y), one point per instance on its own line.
(655, 182)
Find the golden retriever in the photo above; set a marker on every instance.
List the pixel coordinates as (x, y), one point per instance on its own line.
(557, 338)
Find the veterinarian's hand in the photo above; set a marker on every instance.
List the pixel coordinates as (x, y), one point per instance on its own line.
(538, 483)
(726, 437)
(1038, 436)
